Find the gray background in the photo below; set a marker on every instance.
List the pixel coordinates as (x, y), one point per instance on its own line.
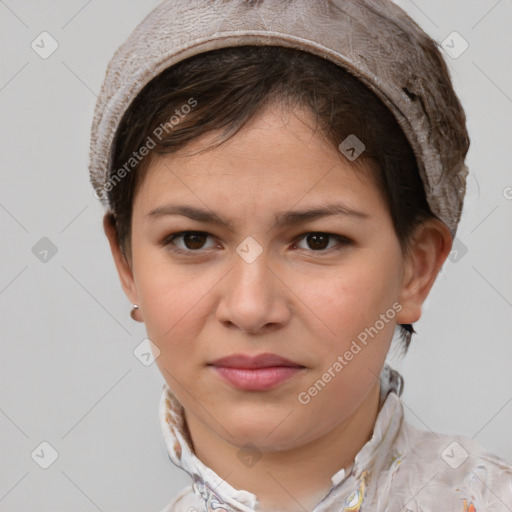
(68, 375)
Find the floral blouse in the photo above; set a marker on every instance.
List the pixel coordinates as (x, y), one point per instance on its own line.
(400, 469)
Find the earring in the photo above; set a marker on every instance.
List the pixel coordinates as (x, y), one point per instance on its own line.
(132, 312)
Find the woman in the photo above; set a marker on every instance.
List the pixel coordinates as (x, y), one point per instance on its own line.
(283, 183)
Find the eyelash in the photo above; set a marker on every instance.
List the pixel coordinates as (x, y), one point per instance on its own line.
(167, 241)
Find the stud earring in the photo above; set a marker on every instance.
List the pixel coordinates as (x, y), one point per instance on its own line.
(132, 312)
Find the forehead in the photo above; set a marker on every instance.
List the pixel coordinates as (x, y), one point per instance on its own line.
(277, 160)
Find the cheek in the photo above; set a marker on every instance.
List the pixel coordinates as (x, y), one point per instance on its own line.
(355, 338)
(351, 298)
(174, 309)
(176, 302)
(174, 315)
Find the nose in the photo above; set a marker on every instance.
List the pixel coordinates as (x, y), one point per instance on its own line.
(254, 298)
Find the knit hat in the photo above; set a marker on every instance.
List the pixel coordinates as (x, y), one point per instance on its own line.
(375, 40)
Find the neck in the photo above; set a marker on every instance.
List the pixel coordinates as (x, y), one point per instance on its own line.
(291, 480)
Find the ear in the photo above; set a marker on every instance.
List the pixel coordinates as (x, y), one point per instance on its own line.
(431, 243)
(123, 266)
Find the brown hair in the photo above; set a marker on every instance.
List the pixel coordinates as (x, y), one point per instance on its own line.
(229, 86)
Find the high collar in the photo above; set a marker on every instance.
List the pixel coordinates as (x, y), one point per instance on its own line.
(347, 486)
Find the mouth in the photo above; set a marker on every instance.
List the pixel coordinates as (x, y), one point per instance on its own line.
(249, 362)
(257, 379)
(256, 373)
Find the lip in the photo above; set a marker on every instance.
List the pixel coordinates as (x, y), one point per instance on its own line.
(248, 362)
(256, 373)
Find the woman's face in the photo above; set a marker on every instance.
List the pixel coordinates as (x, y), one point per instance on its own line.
(262, 278)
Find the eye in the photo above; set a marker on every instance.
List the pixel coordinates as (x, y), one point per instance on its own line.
(319, 241)
(192, 241)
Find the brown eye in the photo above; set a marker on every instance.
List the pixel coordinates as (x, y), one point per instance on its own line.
(319, 242)
(194, 240)
(190, 241)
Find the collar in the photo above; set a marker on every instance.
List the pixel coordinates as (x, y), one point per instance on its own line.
(347, 486)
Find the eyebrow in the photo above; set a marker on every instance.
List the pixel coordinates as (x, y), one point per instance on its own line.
(288, 218)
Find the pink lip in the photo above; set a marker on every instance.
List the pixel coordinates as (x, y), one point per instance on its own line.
(259, 379)
(256, 373)
(259, 361)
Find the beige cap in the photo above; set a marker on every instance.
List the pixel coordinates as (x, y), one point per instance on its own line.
(375, 40)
